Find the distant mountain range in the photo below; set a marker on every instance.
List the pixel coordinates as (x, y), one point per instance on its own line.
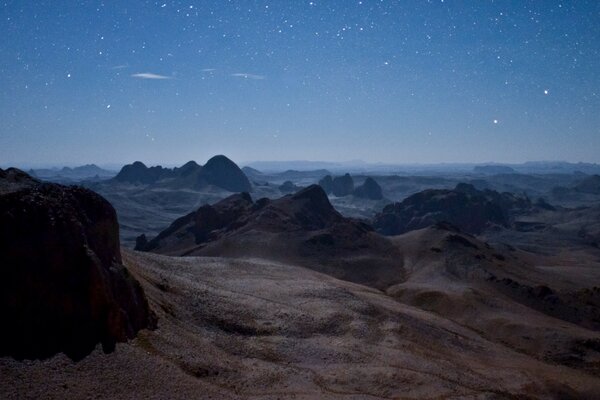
(219, 171)
(84, 172)
(530, 167)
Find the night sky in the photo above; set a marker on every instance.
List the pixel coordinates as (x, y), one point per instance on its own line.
(376, 80)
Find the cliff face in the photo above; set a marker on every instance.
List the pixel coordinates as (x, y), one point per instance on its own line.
(64, 288)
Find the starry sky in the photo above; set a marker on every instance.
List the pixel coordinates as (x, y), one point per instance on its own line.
(377, 80)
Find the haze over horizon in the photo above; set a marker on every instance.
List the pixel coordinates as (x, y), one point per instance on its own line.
(380, 81)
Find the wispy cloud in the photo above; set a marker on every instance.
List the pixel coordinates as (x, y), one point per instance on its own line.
(149, 75)
(249, 76)
(119, 66)
(208, 69)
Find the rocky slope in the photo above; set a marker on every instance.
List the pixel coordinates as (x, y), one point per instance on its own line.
(239, 329)
(303, 227)
(64, 288)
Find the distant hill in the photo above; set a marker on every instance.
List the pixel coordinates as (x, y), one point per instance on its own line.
(84, 172)
(469, 209)
(493, 169)
(303, 228)
(219, 171)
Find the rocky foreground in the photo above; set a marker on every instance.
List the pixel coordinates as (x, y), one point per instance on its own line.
(256, 329)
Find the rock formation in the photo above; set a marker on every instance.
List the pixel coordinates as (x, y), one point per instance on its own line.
(369, 190)
(64, 288)
(303, 227)
(342, 185)
(138, 172)
(224, 173)
(218, 171)
(469, 209)
(326, 183)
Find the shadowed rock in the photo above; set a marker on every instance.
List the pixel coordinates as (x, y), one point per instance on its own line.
(221, 171)
(326, 183)
(303, 227)
(218, 171)
(369, 190)
(466, 207)
(342, 185)
(64, 288)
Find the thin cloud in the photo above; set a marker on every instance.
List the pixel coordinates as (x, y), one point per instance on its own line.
(119, 66)
(149, 75)
(208, 69)
(249, 76)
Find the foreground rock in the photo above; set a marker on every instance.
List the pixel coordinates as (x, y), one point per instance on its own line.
(240, 329)
(64, 288)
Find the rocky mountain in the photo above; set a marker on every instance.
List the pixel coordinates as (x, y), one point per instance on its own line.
(326, 183)
(64, 287)
(218, 171)
(469, 209)
(342, 185)
(303, 227)
(370, 189)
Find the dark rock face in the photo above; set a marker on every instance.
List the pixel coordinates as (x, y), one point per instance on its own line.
(342, 185)
(326, 183)
(369, 190)
(221, 171)
(218, 171)
(64, 288)
(465, 207)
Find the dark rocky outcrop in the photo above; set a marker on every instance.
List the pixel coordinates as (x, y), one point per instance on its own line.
(370, 189)
(469, 209)
(138, 172)
(218, 171)
(342, 185)
(302, 227)
(224, 173)
(64, 288)
(326, 183)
